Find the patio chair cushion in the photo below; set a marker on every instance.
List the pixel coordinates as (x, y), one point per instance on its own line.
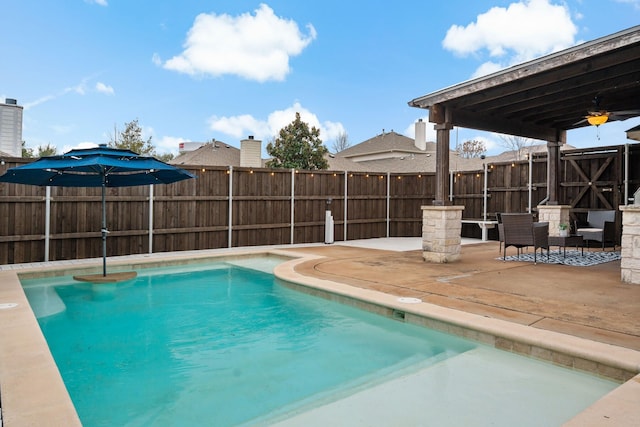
(600, 227)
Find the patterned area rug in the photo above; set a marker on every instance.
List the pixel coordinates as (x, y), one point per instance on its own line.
(573, 257)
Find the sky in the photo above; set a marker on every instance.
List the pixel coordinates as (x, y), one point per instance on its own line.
(197, 70)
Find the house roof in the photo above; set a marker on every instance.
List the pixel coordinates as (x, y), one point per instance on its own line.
(211, 154)
(384, 143)
(634, 133)
(542, 98)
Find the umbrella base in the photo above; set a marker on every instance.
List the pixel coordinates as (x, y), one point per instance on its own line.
(109, 278)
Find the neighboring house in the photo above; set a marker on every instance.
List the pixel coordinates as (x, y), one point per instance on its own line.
(387, 145)
(210, 154)
(634, 133)
(386, 152)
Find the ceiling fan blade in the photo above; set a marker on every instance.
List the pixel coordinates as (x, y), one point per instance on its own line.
(626, 113)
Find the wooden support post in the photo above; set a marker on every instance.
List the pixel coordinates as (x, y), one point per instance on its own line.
(553, 167)
(442, 119)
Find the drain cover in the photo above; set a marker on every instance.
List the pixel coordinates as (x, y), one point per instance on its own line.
(409, 300)
(6, 305)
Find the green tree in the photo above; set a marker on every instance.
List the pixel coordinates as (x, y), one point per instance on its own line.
(47, 150)
(26, 151)
(298, 147)
(131, 139)
(165, 157)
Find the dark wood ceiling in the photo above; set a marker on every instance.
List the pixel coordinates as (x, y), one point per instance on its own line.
(541, 98)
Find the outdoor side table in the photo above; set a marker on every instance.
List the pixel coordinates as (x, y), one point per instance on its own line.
(563, 241)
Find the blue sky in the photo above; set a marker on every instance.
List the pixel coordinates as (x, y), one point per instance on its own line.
(196, 70)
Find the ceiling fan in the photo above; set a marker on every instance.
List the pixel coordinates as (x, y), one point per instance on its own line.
(599, 116)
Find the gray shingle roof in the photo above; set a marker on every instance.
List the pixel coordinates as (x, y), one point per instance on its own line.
(210, 154)
(384, 143)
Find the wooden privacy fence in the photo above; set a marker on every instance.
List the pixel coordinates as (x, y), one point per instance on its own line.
(234, 207)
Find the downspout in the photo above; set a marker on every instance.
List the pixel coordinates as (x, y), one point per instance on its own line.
(626, 174)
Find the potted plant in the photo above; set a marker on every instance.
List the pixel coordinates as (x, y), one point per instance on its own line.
(564, 229)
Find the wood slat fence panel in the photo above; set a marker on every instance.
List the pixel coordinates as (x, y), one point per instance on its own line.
(194, 214)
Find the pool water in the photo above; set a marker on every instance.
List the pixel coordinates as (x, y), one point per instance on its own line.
(225, 345)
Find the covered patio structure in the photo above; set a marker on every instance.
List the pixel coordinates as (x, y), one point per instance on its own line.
(542, 99)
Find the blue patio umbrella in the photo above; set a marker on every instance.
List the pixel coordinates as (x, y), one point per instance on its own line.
(96, 167)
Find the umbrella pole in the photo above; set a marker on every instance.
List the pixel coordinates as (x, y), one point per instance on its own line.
(104, 230)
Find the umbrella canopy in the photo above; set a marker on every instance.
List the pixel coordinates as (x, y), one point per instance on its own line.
(96, 167)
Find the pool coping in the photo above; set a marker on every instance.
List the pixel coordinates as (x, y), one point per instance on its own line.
(33, 392)
(619, 407)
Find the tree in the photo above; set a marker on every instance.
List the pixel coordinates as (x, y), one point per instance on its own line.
(26, 152)
(472, 149)
(131, 139)
(341, 143)
(164, 157)
(297, 147)
(516, 144)
(47, 150)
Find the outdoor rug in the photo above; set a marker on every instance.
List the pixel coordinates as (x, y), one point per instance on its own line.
(573, 257)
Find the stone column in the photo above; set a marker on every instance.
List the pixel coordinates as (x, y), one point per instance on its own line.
(441, 228)
(554, 215)
(630, 264)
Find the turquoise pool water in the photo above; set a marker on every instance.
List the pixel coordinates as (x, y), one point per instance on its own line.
(224, 345)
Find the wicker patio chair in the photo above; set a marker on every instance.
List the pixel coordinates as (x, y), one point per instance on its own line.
(520, 231)
(600, 227)
(500, 231)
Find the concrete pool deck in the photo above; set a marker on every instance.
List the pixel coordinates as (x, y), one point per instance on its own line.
(581, 310)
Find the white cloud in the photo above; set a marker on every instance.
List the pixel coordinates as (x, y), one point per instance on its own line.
(518, 33)
(244, 125)
(98, 2)
(255, 47)
(634, 3)
(168, 144)
(103, 88)
(80, 146)
(80, 89)
(155, 58)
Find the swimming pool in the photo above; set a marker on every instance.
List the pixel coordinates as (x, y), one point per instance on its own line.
(220, 344)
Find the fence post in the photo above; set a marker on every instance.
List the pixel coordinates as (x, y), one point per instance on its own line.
(530, 182)
(346, 199)
(47, 222)
(484, 203)
(230, 226)
(151, 218)
(388, 200)
(293, 204)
